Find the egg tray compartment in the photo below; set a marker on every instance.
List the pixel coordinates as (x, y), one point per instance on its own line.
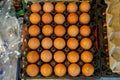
(96, 54)
(103, 40)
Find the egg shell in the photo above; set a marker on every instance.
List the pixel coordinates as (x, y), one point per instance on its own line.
(48, 7)
(35, 7)
(74, 70)
(72, 18)
(59, 18)
(32, 70)
(47, 18)
(59, 43)
(84, 7)
(32, 57)
(59, 30)
(46, 43)
(60, 70)
(72, 43)
(86, 43)
(72, 7)
(47, 30)
(87, 70)
(59, 56)
(84, 18)
(46, 56)
(34, 30)
(60, 7)
(35, 18)
(33, 43)
(46, 70)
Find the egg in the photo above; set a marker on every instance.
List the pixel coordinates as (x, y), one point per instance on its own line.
(32, 70)
(74, 70)
(73, 30)
(34, 30)
(87, 69)
(72, 18)
(35, 18)
(47, 43)
(60, 7)
(72, 7)
(32, 57)
(59, 43)
(84, 18)
(46, 70)
(59, 56)
(48, 7)
(46, 56)
(86, 43)
(33, 43)
(73, 56)
(35, 7)
(59, 18)
(60, 70)
(84, 7)
(47, 30)
(86, 56)
(85, 30)
(59, 30)
(72, 43)
(47, 18)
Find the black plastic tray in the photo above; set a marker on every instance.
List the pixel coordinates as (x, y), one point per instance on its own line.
(94, 49)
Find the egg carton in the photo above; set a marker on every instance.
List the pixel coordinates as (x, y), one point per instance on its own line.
(106, 70)
(113, 31)
(94, 49)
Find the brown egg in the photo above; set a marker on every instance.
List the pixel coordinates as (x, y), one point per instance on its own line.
(32, 57)
(59, 30)
(84, 18)
(35, 18)
(46, 56)
(48, 7)
(72, 18)
(72, 43)
(32, 70)
(86, 56)
(59, 43)
(59, 56)
(35, 7)
(59, 18)
(73, 30)
(34, 30)
(86, 43)
(84, 7)
(74, 70)
(72, 7)
(33, 43)
(60, 7)
(47, 30)
(46, 70)
(47, 18)
(73, 56)
(60, 70)
(47, 43)
(87, 69)
(85, 30)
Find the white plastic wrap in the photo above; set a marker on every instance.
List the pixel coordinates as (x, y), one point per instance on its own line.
(9, 41)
